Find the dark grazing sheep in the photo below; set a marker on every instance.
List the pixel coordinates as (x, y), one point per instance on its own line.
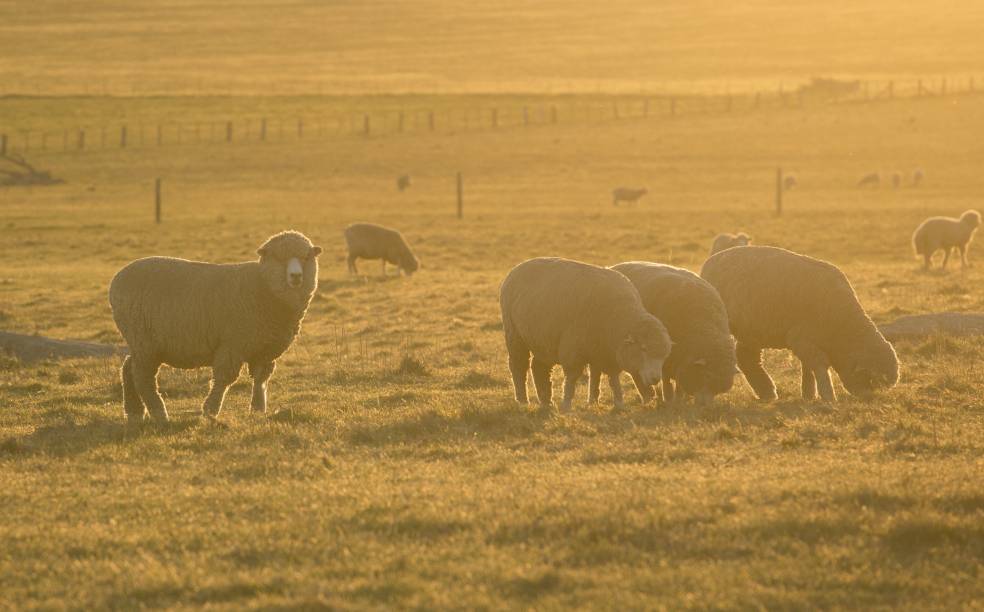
(779, 299)
(627, 194)
(870, 180)
(702, 360)
(190, 314)
(789, 181)
(369, 241)
(726, 241)
(403, 182)
(576, 314)
(945, 233)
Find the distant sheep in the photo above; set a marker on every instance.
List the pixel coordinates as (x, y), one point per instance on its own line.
(726, 241)
(627, 194)
(917, 177)
(870, 180)
(702, 360)
(789, 181)
(189, 314)
(896, 180)
(945, 233)
(369, 241)
(779, 299)
(403, 182)
(576, 315)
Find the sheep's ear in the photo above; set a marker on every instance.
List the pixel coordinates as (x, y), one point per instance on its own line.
(315, 251)
(261, 251)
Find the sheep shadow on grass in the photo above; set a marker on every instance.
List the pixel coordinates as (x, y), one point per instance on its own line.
(67, 438)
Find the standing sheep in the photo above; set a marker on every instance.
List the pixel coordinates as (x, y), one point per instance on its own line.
(726, 241)
(869, 180)
(576, 314)
(779, 299)
(403, 182)
(789, 181)
(369, 241)
(190, 314)
(917, 177)
(945, 233)
(627, 194)
(896, 180)
(702, 360)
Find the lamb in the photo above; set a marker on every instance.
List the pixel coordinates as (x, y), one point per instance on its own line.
(190, 314)
(726, 241)
(945, 233)
(779, 299)
(870, 180)
(627, 194)
(789, 181)
(369, 241)
(577, 314)
(702, 359)
(403, 182)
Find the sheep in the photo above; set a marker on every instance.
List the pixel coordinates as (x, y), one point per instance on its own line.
(702, 359)
(869, 180)
(726, 241)
(403, 182)
(627, 194)
(945, 233)
(917, 177)
(576, 314)
(896, 180)
(190, 314)
(779, 299)
(789, 181)
(369, 241)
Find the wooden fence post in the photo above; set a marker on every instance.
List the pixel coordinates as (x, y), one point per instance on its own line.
(228, 131)
(160, 134)
(401, 122)
(778, 192)
(3, 144)
(263, 124)
(81, 142)
(300, 128)
(123, 137)
(157, 200)
(430, 120)
(461, 199)
(366, 127)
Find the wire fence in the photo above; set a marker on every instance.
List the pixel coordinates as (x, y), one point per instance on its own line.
(466, 118)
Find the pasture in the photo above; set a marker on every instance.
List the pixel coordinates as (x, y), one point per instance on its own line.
(400, 472)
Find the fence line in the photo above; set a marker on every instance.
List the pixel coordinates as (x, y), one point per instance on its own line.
(395, 122)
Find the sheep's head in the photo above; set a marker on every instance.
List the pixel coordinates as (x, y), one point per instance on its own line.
(971, 218)
(644, 350)
(742, 239)
(289, 264)
(409, 263)
(870, 366)
(704, 371)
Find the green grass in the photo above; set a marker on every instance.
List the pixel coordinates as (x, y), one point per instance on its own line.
(402, 474)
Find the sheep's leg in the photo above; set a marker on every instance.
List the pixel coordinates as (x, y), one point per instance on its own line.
(816, 369)
(668, 389)
(144, 375)
(616, 384)
(225, 371)
(963, 256)
(946, 256)
(541, 380)
(646, 392)
(133, 407)
(594, 384)
(750, 363)
(351, 264)
(519, 365)
(929, 261)
(261, 373)
(571, 376)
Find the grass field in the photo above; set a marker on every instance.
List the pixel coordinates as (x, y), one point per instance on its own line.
(404, 474)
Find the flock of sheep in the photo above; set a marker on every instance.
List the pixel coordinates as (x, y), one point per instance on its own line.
(675, 332)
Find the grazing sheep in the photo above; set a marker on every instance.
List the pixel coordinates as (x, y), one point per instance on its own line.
(945, 233)
(789, 181)
(190, 314)
(702, 360)
(403, 182)
(576, 314)
(369, 241)
(896, 180)
(627, 194)
(779, 299)
(726, 241)
(870, 180)
(917, 177)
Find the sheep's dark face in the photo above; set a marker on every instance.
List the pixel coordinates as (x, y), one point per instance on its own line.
(869, 369)
(706, 373)
(409, 264)
(971, 218)
(290, 266)
(644, 351)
